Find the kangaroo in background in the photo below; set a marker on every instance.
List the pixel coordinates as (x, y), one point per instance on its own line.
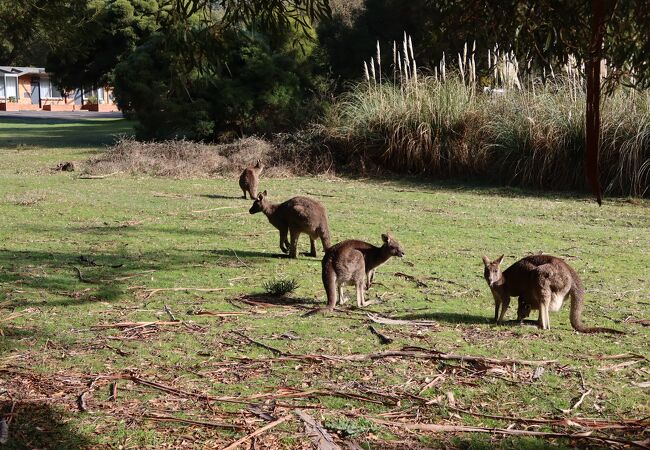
(541, 282)
(295, 216)
(250, 178)
(354, 262)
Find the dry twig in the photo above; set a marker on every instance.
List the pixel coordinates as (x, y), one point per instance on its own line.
(257, 432)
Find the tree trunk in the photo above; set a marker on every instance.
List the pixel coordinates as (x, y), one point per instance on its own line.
(592, 127)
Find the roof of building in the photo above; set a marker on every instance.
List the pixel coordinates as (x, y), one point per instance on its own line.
(14, 70)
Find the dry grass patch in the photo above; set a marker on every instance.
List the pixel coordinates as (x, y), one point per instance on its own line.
(28, 198)
(286, 155)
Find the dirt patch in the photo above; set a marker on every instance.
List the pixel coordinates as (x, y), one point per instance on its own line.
(285, 155)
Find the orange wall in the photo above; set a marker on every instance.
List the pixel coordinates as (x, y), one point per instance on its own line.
(25, 87)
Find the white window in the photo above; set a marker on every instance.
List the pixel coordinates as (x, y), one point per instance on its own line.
(2, 88)
(56, 93)
(48, 90)
(45, 88)
(11, 86)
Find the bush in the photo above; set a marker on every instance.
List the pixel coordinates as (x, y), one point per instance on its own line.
(282, 287)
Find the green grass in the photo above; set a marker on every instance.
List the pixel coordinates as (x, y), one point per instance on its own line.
(196, 233)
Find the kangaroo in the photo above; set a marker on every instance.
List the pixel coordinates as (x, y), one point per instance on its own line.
(249, 179)
(295, 216)
(541, 282)
(354, 262)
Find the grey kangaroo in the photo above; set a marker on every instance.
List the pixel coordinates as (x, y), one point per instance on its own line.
(540, 282)
(250, 178)
(295, 216)
(354, 262)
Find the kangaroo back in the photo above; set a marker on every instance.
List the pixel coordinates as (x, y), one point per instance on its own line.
(577, 294)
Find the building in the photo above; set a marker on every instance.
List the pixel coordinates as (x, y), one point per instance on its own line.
(31, 89)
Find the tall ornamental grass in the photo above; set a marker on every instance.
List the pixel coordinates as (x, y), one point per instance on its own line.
(533, 136)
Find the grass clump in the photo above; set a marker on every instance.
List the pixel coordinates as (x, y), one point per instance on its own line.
(280, 287)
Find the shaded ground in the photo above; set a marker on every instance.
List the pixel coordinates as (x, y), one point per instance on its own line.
(39, 116)
(133, 313)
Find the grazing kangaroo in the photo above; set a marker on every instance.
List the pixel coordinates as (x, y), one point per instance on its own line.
(295, 216)
(541, 282)
(249, 179)
(354, 262)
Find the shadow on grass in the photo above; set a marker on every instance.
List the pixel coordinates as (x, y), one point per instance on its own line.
(37, 425)
(453, 318)
(224, 197)
(50, 133)
(246, 253)
(433, 186)
(282, 300)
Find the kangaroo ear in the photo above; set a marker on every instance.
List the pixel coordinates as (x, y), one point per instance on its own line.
(385, 237)
(500, 259)
(264, 194)
(486, 260)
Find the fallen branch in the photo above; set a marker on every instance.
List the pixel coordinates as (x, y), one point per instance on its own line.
(220, 314)
(387, 321)
(214, 209)
(260, 344)
(170, 313)
(437, 428)
(81, 276)
(135, 325)
(96, 177)
(578, 403)
(192, 422)
(418, 283)
(433, 355)
(128, 277)
(315, 431)
(257, 432)
(149, 292)
(382, 338)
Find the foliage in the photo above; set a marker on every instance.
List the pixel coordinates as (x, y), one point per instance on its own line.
(26, 29)
(350, 428)
(98, 37)
(280, 287)
(235, 83)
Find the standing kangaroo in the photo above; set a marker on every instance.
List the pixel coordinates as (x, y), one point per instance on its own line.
(354, 263)
(295, 216)
(541, 282)
(249, 179)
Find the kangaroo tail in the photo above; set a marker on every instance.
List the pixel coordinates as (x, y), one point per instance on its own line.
(329, 281)
(577, 293)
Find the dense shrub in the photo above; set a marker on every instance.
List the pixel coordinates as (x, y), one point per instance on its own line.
(230, 84)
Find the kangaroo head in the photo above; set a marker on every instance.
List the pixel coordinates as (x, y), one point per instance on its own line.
(391, 244)
(492, 272)
(259, 203)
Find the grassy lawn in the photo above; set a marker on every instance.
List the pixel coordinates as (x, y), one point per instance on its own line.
(79, 254)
